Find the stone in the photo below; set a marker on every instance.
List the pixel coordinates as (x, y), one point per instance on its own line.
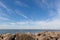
(7, 36)
(18, 36)
(29, 36)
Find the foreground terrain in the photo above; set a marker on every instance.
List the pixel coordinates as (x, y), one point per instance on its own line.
(29, 36)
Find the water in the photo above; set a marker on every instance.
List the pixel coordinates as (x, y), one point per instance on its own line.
(3, 31)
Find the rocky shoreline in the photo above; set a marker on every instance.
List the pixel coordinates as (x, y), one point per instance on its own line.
(29, 36)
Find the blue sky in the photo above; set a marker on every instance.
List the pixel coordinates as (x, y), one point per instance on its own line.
(29, 14)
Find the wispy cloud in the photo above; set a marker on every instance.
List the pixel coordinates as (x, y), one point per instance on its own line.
(3, 18)
(3, 5)
(9, 10)
(22, 4)
(44, 4)
(3, 15)
(5, 12)
(21, 14)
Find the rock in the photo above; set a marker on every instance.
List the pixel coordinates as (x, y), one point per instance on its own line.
(1, 37)
(58, 38)
(18, 36)
(28, 33)
(23, 37)
(47, 36)
(28, 36)
(8, 36)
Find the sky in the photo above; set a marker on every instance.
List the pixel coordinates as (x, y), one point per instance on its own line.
(29, 14)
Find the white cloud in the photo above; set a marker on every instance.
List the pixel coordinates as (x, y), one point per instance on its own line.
(2, 13)
(4, 10)
(9, 10)
(4, 6)
(54, 24)
(22, 4)
(45, 4)
(3, 18)
(42, 3)
(21, 14)
(1, 4)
